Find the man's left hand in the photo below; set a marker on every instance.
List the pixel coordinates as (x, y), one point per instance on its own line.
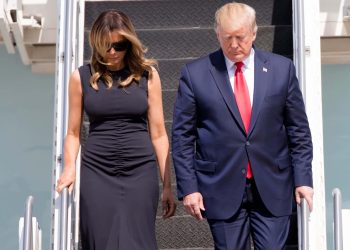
(304, 192)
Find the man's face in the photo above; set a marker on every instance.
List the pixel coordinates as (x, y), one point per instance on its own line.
(235, 41)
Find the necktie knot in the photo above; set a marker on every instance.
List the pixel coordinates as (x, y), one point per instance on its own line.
(239, 66)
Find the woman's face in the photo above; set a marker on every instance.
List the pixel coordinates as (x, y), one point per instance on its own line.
(116, 53)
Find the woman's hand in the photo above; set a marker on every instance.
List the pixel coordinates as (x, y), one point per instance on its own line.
(66, 179)
(168, 203)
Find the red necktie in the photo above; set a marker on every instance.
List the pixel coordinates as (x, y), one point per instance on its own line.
(243, 102)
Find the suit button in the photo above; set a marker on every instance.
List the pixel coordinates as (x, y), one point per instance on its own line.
(243, 171)
(247, 143)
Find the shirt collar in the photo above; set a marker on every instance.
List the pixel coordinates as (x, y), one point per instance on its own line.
(248, 62)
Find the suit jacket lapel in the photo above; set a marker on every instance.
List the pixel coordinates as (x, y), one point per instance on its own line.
(219, 73)
(262, 76)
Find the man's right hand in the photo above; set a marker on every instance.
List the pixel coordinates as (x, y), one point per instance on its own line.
(194, 204)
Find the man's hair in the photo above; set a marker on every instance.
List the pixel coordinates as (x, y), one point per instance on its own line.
(241, 14)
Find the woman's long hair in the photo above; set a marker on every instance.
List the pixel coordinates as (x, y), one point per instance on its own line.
(107, 22)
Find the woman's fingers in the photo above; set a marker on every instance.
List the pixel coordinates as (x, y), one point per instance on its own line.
(169, 208)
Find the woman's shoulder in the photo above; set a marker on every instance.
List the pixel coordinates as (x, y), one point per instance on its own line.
(152, 72)
(153, 77)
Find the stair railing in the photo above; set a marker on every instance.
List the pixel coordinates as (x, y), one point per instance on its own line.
(29, 229)
(64, 61)
(28, 225)
(299, 43)
(65, 207)
(337, 220)
(64, 219)
(299, 61)
(303, 225)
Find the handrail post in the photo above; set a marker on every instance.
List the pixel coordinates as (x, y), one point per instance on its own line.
(299, 43)
(337, 220)
(27, 234)
(64, 218)
(303, 225)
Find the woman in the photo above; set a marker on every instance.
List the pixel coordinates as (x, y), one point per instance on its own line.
(120, 90)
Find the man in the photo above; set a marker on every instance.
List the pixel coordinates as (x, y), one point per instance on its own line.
(241, 139)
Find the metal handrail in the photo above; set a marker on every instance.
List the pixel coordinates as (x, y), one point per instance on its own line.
(68, 57)
(61, 238)
(64, 218)
(303, 225)
(299, 43)
(299, 62)
(337, 220)
(28, 227)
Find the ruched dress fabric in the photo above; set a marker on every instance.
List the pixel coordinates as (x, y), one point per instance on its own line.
(119, 180)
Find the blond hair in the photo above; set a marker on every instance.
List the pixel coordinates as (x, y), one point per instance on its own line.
(241, 14)
(107, 22)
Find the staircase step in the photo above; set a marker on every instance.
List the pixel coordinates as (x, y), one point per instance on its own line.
(169, 97)
(182, 232)
(188, 44)
(171, 14)
(169, 72)
(168, 127)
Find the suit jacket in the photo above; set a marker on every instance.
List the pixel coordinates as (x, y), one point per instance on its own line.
(211, 149)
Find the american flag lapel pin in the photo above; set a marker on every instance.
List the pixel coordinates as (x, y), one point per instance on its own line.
(264, 69)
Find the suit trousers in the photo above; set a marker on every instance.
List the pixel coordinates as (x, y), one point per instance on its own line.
(268, 232)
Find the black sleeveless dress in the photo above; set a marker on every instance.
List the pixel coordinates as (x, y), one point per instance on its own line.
(119, 180)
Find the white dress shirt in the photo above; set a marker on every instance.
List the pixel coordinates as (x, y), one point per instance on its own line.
(248, 72)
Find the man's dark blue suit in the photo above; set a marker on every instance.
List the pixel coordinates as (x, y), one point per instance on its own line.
(211, 148)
